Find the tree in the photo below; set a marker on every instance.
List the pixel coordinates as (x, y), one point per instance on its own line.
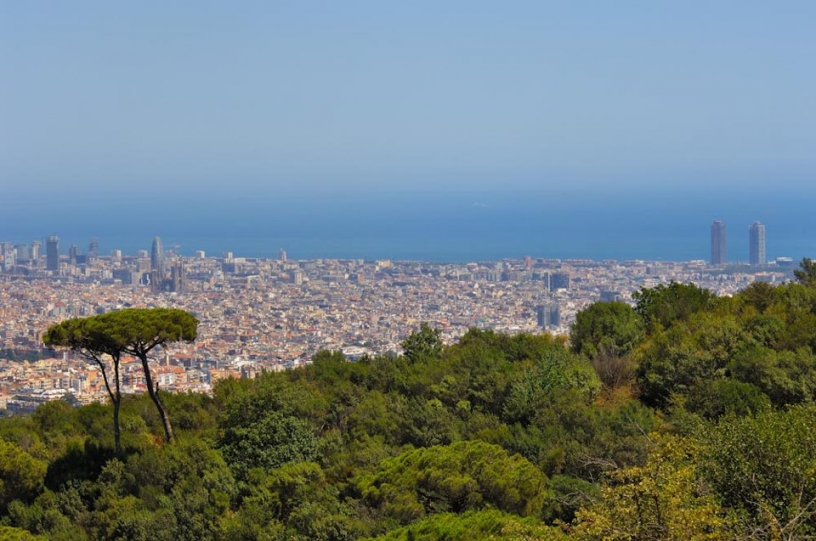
(92, 337)
(666, 304)
(269, 442)
(143, 330)
(133, 331)
(607, 332)
(21, 475)
(485, 525)
(763, 467)
(806, 273)
(760, 295)
(425, 343)
(663, 500)
(613, 327)
(466, 475)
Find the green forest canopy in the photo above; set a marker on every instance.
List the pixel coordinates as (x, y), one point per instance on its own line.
(687, 415)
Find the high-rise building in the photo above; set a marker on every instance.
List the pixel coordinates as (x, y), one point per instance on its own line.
(93, 247)
(157, 257)
(178, 277)
(756, 244)
(718, 243)
(282, 255)
(559, 280)
(35, 250)
(52, 253)
(8, 256)
(608, 295)
(23, 252)
(548, 315)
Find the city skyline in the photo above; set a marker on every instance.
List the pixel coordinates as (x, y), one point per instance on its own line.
(26, 253)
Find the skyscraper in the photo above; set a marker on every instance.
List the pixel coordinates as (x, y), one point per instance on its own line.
(718, 243)
(52, 253)
(157, 257)
(548, 315)
(756, 244)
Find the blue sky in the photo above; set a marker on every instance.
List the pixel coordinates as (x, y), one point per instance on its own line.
(356, 95)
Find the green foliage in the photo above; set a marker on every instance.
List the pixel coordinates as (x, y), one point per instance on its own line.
(760, 295)
(135, 331)
(806, 273)
(786, 377)
(556, 371)
(474, 526)
(666, 304)
(664, 499)
(466, 475)
(494, 437)
(678, 359)
(425, 343)
(765, 467)
(16, 534)
(711, 399)
(612, 328)
(270, 442)
(21, 475)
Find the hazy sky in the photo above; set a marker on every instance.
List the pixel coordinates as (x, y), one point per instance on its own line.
(407, 94)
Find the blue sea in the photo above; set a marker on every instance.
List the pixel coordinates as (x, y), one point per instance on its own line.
(428, 225)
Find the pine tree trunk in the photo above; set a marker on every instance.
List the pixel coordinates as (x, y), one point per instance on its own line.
(117, 434)
(153, 391)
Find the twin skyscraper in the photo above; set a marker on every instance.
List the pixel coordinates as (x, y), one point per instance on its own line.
(756, 243)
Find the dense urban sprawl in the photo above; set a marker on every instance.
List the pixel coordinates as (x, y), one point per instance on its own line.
(273, 314)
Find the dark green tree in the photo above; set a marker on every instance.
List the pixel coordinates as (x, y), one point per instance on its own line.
(144, 329)
(21, 475)
(94, 338)
(425, 343)
(613, 327)
(666, 304)
(763, 467)
(806, 273)
(607, 332)
(760, 295)
(133, 331)
(466, 475)
(268, 442)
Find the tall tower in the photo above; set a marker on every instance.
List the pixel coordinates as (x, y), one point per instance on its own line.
(548, 315)
(157, 257)
(756, 244)
(52, 253)
(718, 243)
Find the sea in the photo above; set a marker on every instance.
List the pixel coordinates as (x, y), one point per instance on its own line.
(456, 226)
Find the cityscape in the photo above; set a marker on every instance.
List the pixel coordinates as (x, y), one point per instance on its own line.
(274, 314)
(407, 271)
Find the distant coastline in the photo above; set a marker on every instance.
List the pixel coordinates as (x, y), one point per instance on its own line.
(454, 227)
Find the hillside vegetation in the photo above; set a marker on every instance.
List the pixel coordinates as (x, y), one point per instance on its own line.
(688, 416)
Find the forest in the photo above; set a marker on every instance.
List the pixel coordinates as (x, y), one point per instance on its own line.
(686, 416)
